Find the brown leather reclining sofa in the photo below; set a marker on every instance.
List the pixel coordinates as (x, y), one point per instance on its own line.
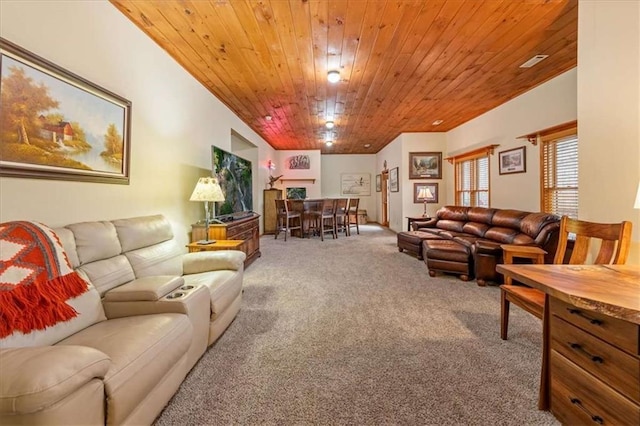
(483, 230)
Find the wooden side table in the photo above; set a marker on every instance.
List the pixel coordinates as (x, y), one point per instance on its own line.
(510, 251)
(218, 245)
(411, 219)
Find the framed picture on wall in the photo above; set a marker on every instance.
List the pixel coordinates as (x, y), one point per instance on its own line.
(513, 161)
(394, 185)
(355, 184)
(425, 165)
(425, 193)
(66, 128)
(378, 183)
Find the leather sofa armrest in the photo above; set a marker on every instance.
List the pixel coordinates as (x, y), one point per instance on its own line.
(34, 378)
(417, 224)
(205, 261)
(144, 289)
(488, 247)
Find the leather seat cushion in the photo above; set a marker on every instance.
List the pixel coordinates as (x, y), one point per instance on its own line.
(446, 250)
(416, 237)
(224, 286)
(142, 350)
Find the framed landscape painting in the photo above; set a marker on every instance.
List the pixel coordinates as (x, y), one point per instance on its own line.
(57, 125)
(355, 184)
(425, 165)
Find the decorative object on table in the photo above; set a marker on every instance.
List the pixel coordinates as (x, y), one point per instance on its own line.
(70, 128)
(207, 189)
(378, 183)
(355, 184)
(423, 165)
(394, 185)
(512, 161)
(425, 193)
(299, 162)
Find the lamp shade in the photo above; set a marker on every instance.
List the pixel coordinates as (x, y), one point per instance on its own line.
(207, 189)
(425, 193)
(637, 203)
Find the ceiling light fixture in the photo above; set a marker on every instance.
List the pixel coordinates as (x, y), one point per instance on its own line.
(333, 76)
(268, 117)
(329, 124)
(437, 122)
(328, 143)
(367, 145)
(531, 62)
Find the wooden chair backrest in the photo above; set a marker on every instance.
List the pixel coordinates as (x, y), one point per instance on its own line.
(341, 205)
(615, 241)
(281, 206)
(353, 205)
(328, 206)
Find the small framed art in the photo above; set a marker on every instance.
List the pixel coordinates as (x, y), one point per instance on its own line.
(513, 161)
(394, 185)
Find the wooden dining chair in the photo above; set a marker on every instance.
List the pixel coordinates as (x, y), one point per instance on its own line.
(287, 220)
(352, 214)
(328, 218)
(614, 238)
(340, 216)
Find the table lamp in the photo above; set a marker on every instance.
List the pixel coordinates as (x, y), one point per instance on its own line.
(207, 189)
(425, 194)
(637, 203)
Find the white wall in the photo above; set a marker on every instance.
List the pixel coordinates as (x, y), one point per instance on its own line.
(392, 154)
(423, 142)
(175, 120)
(333, 166)
(609, 112)
(552, 103)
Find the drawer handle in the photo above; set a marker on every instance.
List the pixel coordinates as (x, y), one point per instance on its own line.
(578, 403)
(578, 312)
(578, 347)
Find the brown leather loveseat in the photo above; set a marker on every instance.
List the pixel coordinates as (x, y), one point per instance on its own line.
(479, 232)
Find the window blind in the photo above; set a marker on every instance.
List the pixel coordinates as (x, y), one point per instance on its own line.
(560, 176)
(472, 182)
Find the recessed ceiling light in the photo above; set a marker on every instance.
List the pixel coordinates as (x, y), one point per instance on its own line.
(329, 124)
(437, 122)
(333, 76)
(367, 145)
(531, 62)
(328, 143)
(268, 117)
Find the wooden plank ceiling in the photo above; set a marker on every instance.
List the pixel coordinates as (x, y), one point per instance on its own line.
(403, 64)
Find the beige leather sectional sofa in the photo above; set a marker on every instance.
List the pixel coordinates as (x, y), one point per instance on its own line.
(150, 313)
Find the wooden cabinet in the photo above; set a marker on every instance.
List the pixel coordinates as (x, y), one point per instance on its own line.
(270, 213)
(594, 363)
(247, 229)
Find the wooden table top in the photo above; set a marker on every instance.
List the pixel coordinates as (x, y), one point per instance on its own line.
(613, 290)
(515, 248)
(217, 244)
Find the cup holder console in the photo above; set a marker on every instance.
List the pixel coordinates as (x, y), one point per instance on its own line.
(186, 287)
(175, 295)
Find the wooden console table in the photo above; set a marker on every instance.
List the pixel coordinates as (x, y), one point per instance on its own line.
(247, 229)
(591, 333)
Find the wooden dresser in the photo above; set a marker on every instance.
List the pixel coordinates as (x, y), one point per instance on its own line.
(591, 355)
(247, 229)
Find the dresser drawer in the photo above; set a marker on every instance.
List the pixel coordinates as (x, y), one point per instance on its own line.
(620, 333)
(239, 229)
(608, 363)
(577, 397)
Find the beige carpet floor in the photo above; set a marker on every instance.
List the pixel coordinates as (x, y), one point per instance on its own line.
(350, 331)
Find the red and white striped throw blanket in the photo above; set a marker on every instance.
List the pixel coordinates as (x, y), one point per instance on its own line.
(36, 279)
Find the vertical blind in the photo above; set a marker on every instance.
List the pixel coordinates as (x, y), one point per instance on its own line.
(560, 176)
(472, 182)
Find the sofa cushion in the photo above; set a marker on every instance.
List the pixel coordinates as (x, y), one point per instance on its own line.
(481, 214)
(44, 386)
(224, 287)
(451, 225)
(142, 349)
(164, 258)
(508, 218)
(145, 231)
(108, 273)
(458, 213)
(95, 241)
(475, 228)
(533, 223)
(144, 289)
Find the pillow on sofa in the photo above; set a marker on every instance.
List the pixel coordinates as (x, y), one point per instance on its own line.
(42, 299)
